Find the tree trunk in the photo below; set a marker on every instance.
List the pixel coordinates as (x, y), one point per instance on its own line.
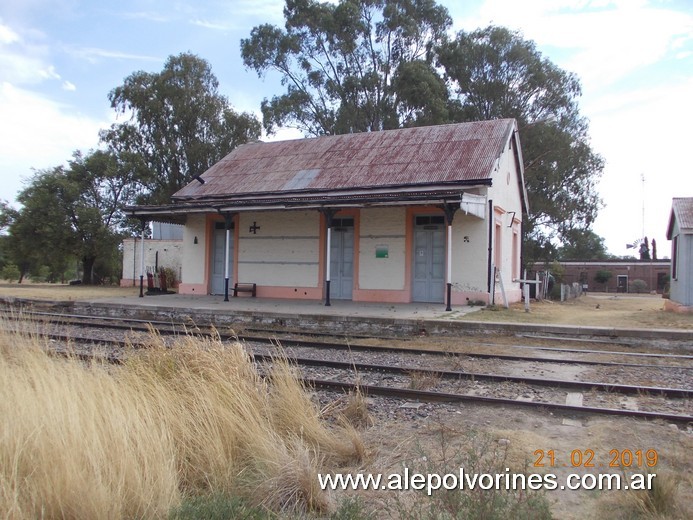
(88, 273)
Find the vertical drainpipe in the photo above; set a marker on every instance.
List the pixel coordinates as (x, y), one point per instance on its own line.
(490, 249)
(329, 214)
(144, 224)
(228, 222)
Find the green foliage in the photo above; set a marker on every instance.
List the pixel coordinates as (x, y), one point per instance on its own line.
(217, 507)
(353, 66)
(496, 73)
(603, 276)
(582, 244)
(179, 127)
(557, 271)
(638, 286)
(352, 508)
(10, 272)
(69, 213)
(477, 454)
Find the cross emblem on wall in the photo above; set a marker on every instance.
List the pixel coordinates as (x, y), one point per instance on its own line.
(253, 229)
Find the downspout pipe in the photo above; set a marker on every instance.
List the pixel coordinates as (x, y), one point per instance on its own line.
(490, 251)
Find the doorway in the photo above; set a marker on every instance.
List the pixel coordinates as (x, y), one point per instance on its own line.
(429, 259)
(218, 255)
(342, 259)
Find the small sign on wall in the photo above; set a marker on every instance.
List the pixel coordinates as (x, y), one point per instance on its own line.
(381, 251)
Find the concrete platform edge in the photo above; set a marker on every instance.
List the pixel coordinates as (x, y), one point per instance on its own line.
(374, 325)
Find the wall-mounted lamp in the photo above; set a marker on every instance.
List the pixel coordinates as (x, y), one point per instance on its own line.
(195, 240)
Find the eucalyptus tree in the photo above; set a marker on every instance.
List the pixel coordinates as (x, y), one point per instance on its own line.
(71, 212)
(352, 66)
(178, 125)
(496, 73)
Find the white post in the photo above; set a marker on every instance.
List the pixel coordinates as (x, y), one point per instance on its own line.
(226, 264)
(448, 285)
(328, 267)
(142, 262)
(329, 254)
(449, 276)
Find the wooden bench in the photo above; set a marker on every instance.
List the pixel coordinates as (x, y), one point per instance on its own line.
(244, 287)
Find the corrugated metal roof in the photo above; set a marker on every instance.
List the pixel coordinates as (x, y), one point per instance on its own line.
(682, 208)
(464, 153)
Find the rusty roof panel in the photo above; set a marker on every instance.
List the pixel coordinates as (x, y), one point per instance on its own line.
(462, 152)
(683, 209)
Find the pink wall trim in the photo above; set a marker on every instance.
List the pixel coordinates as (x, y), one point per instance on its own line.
(193, 288)
(381, 295)
(297, 293)
(678, 308)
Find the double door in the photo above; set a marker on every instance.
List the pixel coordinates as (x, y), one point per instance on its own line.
(429, 259)
(342, 259)
(218, 256)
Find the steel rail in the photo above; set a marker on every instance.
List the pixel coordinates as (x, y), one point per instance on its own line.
(447, 374)
(440, 397)
(474, 376)
(119, 323)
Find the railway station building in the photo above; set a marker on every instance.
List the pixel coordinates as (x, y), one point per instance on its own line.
(426, 214)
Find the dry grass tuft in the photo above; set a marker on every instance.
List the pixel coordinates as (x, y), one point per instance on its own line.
(419, 380)
(355, 412)
(91, 440)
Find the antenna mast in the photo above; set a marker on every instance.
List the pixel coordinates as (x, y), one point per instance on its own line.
(642, 177)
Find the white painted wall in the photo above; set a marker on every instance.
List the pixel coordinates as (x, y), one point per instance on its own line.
(469, 259)
(194, 255)
(169, 255)
(506, 197)
(285, 250)
(382, 227)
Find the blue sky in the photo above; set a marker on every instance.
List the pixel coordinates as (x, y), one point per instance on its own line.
(60, 58)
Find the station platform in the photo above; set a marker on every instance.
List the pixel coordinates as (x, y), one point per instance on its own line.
(246, 304)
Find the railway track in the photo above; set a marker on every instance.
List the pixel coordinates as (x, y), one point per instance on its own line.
(265, 336)
(345, 370)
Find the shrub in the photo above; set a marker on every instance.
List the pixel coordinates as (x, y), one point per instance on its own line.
(10, 272)
(603, 276)
(170, 275)
(638, 286)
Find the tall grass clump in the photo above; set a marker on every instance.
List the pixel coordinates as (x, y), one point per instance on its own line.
(192, 420)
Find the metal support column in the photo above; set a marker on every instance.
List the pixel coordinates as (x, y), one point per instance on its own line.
(449, 210)
(228, 224)
(329, 215)
(144, 226)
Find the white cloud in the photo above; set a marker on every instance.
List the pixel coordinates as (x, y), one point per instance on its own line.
(206, 24)
(96, 54)
(38, 133)
(601, 41)
(644, 133)
(7, 35)
(70, 87)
